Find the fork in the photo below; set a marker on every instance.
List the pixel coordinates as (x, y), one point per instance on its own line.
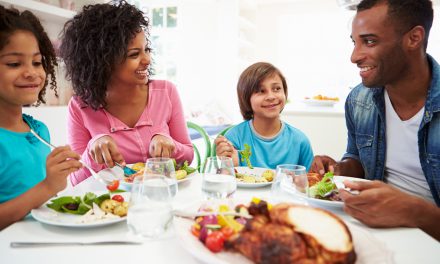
(127, 170)
(340, 185)
(94, 174)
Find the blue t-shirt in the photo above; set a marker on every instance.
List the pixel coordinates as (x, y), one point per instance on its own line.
(22, 159)
(289, 146)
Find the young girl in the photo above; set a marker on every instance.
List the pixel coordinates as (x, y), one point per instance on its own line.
(118, 114)
(29, 173)
(262, 94)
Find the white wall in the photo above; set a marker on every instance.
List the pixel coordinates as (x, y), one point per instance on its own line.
(309, 40)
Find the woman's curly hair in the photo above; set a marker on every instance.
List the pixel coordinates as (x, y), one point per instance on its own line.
(94, 42)
(11, 20)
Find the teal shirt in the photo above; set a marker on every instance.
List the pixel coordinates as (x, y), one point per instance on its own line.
(22, 159)
(289, 146)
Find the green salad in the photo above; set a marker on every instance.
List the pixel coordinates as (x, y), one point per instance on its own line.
(324, 186)
(246, 155)
(76, 204)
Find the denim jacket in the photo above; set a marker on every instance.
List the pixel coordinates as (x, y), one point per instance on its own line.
(365, 118)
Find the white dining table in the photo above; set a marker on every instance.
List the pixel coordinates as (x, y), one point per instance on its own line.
(408, 245)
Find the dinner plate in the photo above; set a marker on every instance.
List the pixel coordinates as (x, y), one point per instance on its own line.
(255, 172)
(314, 102)
(117, 173)
(368, 249)
(48, 216)
(288, 187)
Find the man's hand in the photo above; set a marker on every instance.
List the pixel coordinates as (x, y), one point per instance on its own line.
(379, 205)
(161, 146)
(323, 164)
(105, 150)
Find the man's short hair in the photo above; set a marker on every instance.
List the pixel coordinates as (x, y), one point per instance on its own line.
(406, 13)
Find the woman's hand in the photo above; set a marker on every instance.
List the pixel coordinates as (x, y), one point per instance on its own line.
(161, 146)
(225, 148)
(59, 164)
(105, 150)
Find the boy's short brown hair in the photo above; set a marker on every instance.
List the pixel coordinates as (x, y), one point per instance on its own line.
(249, 83)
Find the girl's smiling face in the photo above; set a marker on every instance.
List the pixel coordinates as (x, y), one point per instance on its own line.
(22, 75)
(269, 100)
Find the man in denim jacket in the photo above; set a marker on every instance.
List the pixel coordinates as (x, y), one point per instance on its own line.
(393, 119)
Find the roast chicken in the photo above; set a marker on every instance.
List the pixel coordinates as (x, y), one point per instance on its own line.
(294, 234)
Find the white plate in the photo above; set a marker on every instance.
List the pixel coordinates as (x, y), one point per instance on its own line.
(367, 247)
(48, 216)
(118, 173)
(257, 172)
(287, 186)
(314, 102)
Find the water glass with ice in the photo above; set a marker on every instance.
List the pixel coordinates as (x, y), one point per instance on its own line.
(150, 211)
(218, 178)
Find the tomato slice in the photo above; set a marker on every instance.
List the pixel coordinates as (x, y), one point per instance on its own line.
(113, 186)
(118, 198)
(215, 241)
(227, 231)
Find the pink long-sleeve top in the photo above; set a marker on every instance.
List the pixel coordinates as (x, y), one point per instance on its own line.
(163, 115)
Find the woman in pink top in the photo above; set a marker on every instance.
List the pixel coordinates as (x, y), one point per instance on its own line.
(118, 113)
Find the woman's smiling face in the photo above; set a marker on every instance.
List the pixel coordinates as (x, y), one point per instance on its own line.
(134, 69)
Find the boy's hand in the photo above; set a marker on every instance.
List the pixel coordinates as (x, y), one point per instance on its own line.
(225, 148)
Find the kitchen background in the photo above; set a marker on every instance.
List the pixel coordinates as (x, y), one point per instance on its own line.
(203, 46)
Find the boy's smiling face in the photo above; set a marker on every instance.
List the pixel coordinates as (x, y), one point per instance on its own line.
(269, 100)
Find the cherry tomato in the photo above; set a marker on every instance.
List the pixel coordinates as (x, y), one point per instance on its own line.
(118, 198)
(195, 231)
(215, 241)
(113, 186)
(227, 232)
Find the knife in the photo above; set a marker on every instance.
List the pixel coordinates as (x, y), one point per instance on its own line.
(51, 244)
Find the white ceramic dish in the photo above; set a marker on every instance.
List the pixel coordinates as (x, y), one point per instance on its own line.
(367, 247)
(256, 172)
(48, 216)
(287, 186)
(314, 102)
(118, 173)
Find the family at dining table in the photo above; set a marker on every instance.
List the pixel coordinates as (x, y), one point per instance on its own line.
(119, 114)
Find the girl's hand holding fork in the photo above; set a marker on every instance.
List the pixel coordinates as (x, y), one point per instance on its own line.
(59, 164)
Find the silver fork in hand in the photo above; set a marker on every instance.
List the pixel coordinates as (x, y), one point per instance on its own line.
(94, 174)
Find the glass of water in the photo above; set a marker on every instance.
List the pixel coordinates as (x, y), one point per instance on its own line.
(150, 211)
(162, 167)
(295, 177)
(218, 178)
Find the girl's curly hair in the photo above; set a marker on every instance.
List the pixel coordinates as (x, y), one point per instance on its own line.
(12, 20)
(94, 42)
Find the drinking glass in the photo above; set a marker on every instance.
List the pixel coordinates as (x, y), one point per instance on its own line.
(295, 177)
(150, 211)
(218, 178)
(162, 167)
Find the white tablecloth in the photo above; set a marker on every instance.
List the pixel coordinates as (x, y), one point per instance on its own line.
(408, 245)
